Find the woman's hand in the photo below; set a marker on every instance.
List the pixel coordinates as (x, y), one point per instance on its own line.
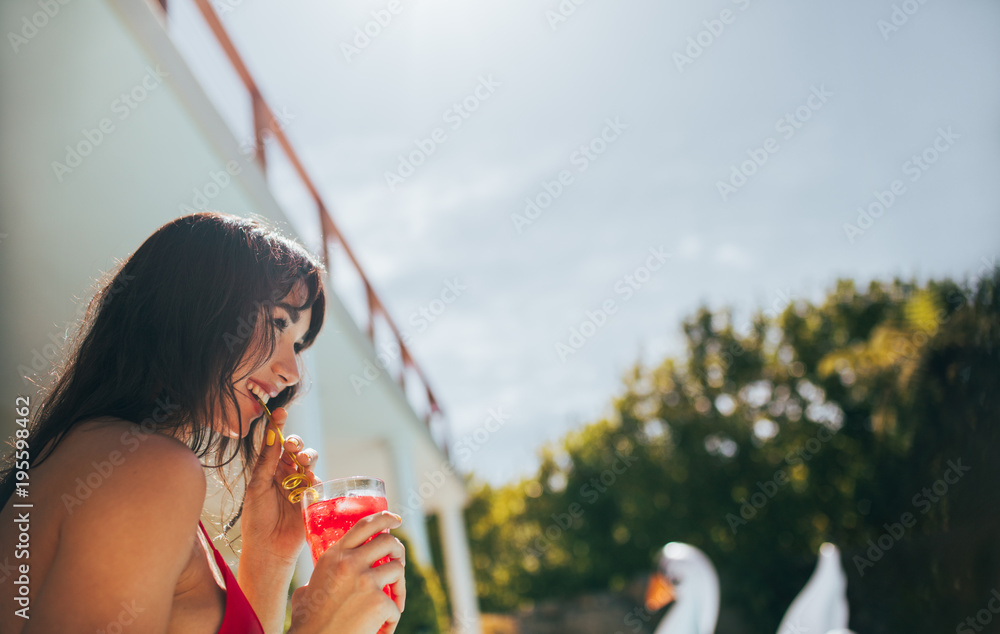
(344, 594)
(271, 527)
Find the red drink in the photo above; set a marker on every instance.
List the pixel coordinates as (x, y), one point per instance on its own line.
(328, 520)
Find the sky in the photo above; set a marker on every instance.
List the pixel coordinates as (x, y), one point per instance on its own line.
(677, 154)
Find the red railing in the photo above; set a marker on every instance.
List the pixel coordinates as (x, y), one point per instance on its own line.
(266, 122)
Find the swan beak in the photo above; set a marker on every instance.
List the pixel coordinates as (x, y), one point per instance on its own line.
(659, 593)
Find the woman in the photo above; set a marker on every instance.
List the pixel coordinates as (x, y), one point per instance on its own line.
(209, 310)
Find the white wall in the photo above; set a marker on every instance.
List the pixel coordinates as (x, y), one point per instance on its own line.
(63, 230)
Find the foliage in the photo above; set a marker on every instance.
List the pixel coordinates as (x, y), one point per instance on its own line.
(823, 423)
(425, 611)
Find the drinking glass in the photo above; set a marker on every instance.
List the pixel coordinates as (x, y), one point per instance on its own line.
(331, 508)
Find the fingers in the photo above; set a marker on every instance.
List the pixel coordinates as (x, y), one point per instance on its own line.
(295, 452)
(277, 461)
(384, 545)
(293, 443)
(279, 416)
(368, 526)
(389, 613)
(269, 455)
(306, 457)
(390, 574)
(398, 588)
(393, 572)
(340, 600)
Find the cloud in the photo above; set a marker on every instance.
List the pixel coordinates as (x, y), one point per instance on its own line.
(689, 248)
(728, 254)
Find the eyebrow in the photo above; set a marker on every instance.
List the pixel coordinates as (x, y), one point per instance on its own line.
(291, 310)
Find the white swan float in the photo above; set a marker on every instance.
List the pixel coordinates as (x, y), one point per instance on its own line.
(686, 577)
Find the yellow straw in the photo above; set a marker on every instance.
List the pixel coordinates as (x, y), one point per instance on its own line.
(292, 481)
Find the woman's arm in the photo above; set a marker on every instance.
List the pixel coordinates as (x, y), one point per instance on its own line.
(265, 583)
(122, 551)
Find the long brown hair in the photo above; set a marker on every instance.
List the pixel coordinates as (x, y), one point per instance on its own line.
(166, 331)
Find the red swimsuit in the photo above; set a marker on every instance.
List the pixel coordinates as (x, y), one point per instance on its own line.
(239, 617)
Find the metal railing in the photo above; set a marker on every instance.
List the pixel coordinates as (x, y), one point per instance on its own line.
(266, 122)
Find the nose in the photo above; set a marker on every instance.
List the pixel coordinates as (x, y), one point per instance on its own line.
(286, 367)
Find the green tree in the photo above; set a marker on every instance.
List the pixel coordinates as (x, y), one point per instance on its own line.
(425, 611)
(820, 424)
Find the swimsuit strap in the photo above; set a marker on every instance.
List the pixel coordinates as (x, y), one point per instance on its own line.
(220, 561)
(239, 617)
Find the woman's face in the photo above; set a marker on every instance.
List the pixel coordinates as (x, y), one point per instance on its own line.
(278, 372)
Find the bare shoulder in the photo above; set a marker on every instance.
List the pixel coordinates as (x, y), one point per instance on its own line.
(132, 503)
(107, 461)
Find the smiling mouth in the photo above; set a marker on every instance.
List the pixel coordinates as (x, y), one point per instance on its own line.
(260, 392)
(255, 403)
